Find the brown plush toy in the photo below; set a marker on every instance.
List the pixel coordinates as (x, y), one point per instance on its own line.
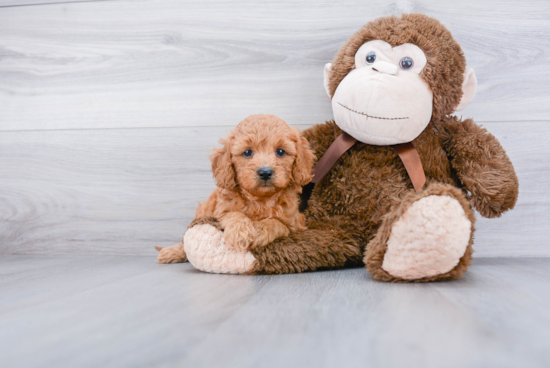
(396, 189)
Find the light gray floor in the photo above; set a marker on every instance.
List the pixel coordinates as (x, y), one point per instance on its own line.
(72, 311)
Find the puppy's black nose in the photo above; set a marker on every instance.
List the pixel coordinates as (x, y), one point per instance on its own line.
(265, 173)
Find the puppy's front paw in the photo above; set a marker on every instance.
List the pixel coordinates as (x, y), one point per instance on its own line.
(239, 236)
(267, 231)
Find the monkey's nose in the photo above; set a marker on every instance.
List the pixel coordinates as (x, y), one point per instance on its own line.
(265, 173)
(385, 67)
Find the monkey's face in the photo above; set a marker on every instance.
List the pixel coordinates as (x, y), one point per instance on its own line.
(384, 100)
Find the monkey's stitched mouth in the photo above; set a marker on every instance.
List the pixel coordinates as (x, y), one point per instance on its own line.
(369, 116)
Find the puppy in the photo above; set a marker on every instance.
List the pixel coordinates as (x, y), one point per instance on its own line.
(259, 172)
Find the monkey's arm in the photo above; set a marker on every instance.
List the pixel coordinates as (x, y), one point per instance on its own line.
(481, 165)
(323, 245)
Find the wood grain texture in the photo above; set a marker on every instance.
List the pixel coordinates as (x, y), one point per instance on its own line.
(123, 191)
(188, 63)
(132, 312)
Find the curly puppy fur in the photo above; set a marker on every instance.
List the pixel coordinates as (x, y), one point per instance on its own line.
(254, 211)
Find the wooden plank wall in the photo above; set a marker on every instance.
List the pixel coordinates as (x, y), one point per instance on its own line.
(108, 109)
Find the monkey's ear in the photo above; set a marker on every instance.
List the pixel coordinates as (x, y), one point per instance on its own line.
(469, 87)
(302, 171)
(328, 71)
(222, 167)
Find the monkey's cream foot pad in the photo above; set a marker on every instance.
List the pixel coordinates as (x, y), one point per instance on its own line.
(428, 239)
(207, 251)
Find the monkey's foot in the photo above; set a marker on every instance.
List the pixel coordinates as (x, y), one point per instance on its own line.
(207, 251)
(427, 237)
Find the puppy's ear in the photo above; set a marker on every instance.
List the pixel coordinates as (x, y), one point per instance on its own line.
(222, 167)
(303, 165)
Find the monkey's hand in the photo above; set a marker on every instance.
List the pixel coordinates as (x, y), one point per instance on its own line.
(481, 165)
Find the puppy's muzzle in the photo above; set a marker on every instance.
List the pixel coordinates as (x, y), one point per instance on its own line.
(265, 173)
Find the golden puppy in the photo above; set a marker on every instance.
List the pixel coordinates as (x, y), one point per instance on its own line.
(259, 171)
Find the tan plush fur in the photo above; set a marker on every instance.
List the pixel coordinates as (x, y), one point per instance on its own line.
(352, 210)
(252, 211)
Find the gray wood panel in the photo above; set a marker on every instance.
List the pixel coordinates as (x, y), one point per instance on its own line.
(189, 63)
(131, 312)
(123, 191)
(19, 3)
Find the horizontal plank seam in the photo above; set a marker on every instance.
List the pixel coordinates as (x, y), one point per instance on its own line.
(229, 126)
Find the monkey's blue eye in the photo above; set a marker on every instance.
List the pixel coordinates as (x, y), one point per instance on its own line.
(371, 57)
(406, 63)
(280, 152)
(248, 153)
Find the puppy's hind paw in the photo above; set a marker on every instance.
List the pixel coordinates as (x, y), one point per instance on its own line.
(173, 254)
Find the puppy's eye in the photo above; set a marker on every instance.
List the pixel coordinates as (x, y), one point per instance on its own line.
(248, 153)
(280, 152)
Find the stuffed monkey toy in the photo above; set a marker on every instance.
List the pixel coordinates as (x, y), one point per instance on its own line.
(398, 177)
